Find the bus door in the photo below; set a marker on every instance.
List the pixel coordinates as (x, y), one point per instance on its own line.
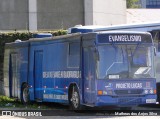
(13, 75)
(88, 76)
(38, 75)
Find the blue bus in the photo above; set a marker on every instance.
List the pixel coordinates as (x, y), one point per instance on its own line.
(151, 27)
(92, 69)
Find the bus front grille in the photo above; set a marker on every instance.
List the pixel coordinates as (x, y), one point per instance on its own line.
(129, 100)
(127, 92)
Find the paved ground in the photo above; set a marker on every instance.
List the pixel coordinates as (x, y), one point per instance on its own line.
(62, 112)
(84, 117)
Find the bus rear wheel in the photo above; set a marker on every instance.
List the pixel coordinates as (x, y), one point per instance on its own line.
(25, 94)
(75, 99)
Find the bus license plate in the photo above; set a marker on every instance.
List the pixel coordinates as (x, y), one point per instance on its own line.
(150, 100)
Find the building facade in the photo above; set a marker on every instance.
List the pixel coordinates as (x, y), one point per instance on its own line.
(57, 14)
(13, 14)
(105, 12)
(153, 4)
(149, 3)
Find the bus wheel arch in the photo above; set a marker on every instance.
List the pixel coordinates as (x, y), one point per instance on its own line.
(74, 97)
(24, 93)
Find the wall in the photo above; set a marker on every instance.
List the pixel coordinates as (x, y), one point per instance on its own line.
(13, 14)
(32, 15)
(56, 14)
(105, 12)
(1, 87)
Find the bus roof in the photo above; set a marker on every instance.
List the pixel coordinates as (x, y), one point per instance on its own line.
(149, 26)
(72, 37)
(45, 39)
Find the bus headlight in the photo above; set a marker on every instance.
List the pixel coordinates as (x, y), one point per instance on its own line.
(102, 92)
(151, 91)
(110, 92)
(146, 91)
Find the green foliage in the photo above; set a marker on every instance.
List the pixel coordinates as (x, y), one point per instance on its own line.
(12, 103)
(5, 99)
(132, 4)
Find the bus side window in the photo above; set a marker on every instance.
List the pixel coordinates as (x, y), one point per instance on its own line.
(156, 38)
(74, 55)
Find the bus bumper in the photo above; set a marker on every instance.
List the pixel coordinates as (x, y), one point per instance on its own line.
(125, 100)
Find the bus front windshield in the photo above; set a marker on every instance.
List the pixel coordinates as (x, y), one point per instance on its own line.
(125, 61)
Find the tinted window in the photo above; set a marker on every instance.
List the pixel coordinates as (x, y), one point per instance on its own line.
(74, 54)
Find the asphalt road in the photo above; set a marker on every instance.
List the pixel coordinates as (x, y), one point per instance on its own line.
(58, 111)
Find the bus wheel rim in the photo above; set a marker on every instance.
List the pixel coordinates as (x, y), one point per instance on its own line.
(75, 99)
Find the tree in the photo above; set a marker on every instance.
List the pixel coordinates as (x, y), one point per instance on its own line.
(132, 4)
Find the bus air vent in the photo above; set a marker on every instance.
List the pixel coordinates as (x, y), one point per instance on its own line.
(128, 92)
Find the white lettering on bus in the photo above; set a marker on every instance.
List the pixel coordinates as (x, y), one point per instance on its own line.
(129, 85)
(62, 74)
(125, 38)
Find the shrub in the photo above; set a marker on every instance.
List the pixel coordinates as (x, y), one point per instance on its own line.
(5, 99)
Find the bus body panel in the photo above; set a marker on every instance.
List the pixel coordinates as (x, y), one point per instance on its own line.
(15, 69)
(59, 69)
(126, 91)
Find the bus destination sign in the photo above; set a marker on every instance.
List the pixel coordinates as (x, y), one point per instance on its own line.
(124, 38)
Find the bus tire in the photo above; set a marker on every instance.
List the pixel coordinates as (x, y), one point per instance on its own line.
(74, 99)
(25, 94)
